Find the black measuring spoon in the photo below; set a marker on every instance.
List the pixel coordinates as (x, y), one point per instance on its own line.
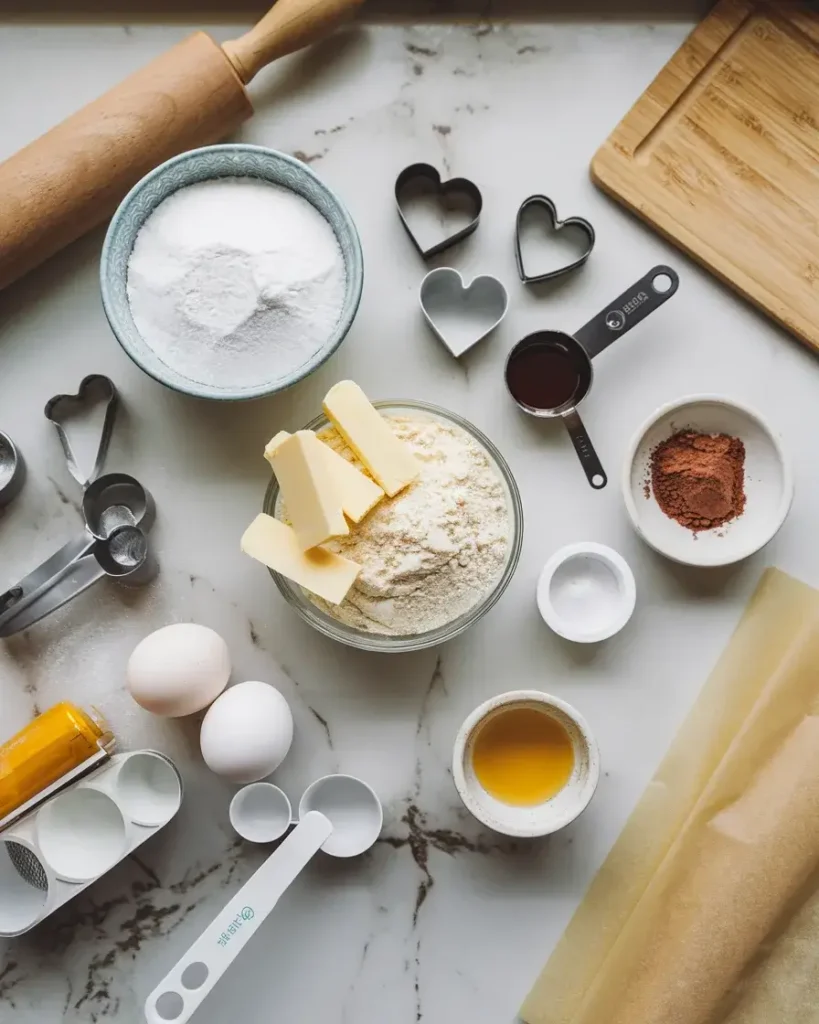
(549, 373)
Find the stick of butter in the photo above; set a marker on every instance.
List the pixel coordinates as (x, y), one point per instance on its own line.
(308, 491)
(369, 435)
(358, 494)
(318, 570)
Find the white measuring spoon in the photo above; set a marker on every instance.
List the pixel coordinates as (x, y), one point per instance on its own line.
(260, 812)
(339, 814)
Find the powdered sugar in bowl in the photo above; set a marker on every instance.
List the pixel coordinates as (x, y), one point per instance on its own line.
(231, 272)
(438, 555)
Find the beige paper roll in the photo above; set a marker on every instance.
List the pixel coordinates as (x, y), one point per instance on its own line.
(734, 876)
(707, 909)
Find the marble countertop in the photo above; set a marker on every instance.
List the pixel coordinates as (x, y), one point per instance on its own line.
(442, 920)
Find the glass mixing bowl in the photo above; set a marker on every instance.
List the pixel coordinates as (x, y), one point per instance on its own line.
(366, 641)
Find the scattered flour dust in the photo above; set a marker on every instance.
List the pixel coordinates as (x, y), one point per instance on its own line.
(235, 282)
(433, 551)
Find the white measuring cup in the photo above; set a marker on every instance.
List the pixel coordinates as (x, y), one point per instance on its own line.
(338, 814)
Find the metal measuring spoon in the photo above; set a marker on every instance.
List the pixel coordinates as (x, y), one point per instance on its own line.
(549, 373)
(117, 513)
(340, 815)
(121, 553)
(12, 470)
(124, 555)
(116, 500)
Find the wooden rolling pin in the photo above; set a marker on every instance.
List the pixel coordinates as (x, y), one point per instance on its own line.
(72, 178)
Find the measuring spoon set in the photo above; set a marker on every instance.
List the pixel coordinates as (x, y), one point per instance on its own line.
(338, 814)
(117, 513)
(549, 372)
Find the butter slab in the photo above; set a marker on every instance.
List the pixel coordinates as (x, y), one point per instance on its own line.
(308, 490)
(369, 435)
(320, 571)
(357, 493)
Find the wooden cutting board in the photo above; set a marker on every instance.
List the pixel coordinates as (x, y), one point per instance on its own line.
(721, 155)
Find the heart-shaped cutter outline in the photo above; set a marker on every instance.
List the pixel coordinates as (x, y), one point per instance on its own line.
(557, 225)
(454, 186)
(449, 272)
(84, 399)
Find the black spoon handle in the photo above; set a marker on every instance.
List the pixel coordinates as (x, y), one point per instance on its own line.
(628, 310)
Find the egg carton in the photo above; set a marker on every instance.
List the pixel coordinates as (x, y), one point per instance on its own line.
(73, 838)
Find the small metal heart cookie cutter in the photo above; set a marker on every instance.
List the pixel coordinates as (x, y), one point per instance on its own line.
(117, 512)
(557, 225)
(461, 315)
(454, 189)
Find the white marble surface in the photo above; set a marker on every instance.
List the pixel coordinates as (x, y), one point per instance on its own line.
(442, 921)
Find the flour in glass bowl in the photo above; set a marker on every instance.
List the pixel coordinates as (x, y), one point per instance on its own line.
(234, 282)
(436, 549)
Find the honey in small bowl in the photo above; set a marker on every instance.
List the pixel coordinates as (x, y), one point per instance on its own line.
(522, 756)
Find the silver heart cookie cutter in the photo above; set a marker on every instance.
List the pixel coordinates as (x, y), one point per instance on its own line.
(117, 513)
(580, 223)
(461, 315)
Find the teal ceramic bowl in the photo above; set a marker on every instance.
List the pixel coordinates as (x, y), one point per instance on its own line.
(232, 160)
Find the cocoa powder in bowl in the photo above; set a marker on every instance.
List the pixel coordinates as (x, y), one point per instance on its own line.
(699, 479)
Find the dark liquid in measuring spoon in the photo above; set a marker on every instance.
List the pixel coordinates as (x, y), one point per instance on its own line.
(543, 375)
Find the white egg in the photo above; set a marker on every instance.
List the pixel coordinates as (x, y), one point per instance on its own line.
(247, 732)
(178, 669)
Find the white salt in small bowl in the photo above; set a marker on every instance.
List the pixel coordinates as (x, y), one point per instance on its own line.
(586, 592)
(768, 482)
(197, 165)
(539, 819)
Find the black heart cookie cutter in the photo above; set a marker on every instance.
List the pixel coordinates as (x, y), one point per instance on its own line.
(461, 187)
(557, 225)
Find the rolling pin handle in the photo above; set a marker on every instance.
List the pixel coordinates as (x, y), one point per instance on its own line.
(287, 27)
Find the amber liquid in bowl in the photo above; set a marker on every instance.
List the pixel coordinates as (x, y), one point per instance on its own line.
(522, 756)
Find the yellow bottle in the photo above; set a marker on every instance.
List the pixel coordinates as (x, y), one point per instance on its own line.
(56, 742)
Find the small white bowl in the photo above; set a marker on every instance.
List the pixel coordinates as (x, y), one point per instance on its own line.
(768, 482)
(539, 819)
(586, 592)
